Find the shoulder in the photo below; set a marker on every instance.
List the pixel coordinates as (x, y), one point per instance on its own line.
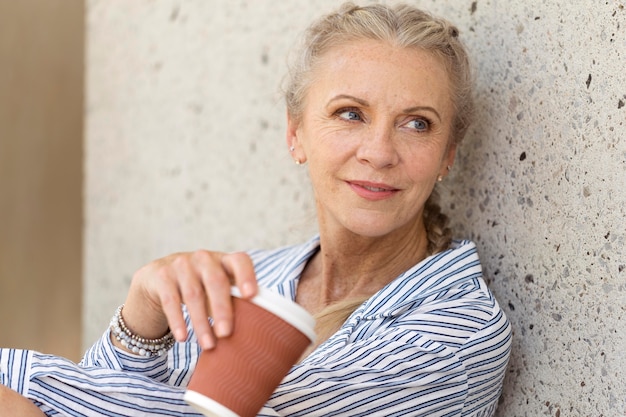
(443, 297)
(262, 256)
(450, 275)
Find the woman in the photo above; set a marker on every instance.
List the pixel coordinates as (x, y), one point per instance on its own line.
(377, 105)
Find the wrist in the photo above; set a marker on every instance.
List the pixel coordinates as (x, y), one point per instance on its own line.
(122, 336)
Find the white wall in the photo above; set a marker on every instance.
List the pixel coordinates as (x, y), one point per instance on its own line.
(185, 149)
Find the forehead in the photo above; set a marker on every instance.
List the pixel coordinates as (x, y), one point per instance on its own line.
(381, 70)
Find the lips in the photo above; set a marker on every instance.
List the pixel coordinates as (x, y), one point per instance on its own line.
(373, 186)
(372, 191)
(376, 189)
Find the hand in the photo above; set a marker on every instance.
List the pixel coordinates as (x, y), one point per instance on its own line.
(201, 280)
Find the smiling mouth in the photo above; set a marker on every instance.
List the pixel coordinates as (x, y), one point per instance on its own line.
(368, 187)
(375, 189)
(373, 192)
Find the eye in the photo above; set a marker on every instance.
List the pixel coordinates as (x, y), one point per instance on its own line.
(420, 125)
(349, 114)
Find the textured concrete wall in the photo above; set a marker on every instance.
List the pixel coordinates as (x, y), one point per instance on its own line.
(185, 149)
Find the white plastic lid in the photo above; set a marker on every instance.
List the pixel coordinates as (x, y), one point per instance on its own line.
(207, 406)
(284, 308)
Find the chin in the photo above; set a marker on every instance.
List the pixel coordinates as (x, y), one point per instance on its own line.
(371, 230)
(379, 226)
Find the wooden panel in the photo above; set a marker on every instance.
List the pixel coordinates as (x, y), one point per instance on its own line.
(41, 113)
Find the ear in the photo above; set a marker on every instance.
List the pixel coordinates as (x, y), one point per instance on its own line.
(448, 160)
(292, 129)
(293, 139)
(451, 155)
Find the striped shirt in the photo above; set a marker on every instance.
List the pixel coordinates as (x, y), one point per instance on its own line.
(433, 342)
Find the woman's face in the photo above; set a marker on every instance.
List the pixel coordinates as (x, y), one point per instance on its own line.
(375, 132)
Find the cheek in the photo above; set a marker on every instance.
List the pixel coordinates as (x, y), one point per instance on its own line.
(327, 144)
(422, 176)
(425, 161)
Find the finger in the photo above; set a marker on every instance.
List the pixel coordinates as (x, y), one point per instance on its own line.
(152, 297)
(240, 267)
(217, 285)
(170, 300)
(193, 295)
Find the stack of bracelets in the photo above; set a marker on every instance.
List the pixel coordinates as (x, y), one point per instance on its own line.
(137, 344)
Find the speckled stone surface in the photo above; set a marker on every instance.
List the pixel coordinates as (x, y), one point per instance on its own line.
(185, 149)
(541, 186)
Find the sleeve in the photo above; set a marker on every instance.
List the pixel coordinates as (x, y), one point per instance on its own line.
(103, 354)
(63, 387)
(60, 387)
(14, 369)
(173, 369)
(395, 373)
(486, 355)
(107, 382)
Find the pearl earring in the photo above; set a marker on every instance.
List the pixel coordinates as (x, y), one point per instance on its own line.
(440, 177)
(296, 160)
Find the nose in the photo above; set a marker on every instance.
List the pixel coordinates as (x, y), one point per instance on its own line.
(377, 147)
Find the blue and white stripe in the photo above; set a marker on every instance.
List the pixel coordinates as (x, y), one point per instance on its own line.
(434, 342)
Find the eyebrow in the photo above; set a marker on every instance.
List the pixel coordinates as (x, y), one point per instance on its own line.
(365, 103)
(349, 97)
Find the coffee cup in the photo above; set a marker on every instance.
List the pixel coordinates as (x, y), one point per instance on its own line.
(238, 376)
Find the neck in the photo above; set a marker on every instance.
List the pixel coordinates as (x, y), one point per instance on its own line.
(350, 266)
(348, 269)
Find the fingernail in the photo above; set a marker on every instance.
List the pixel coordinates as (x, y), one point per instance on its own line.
(207, 342)
(222, 329)
(247, 290)
(179, 334)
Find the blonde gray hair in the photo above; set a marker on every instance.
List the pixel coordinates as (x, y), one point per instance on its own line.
(400, 25)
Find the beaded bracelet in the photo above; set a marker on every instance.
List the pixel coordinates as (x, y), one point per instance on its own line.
(137, 344)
